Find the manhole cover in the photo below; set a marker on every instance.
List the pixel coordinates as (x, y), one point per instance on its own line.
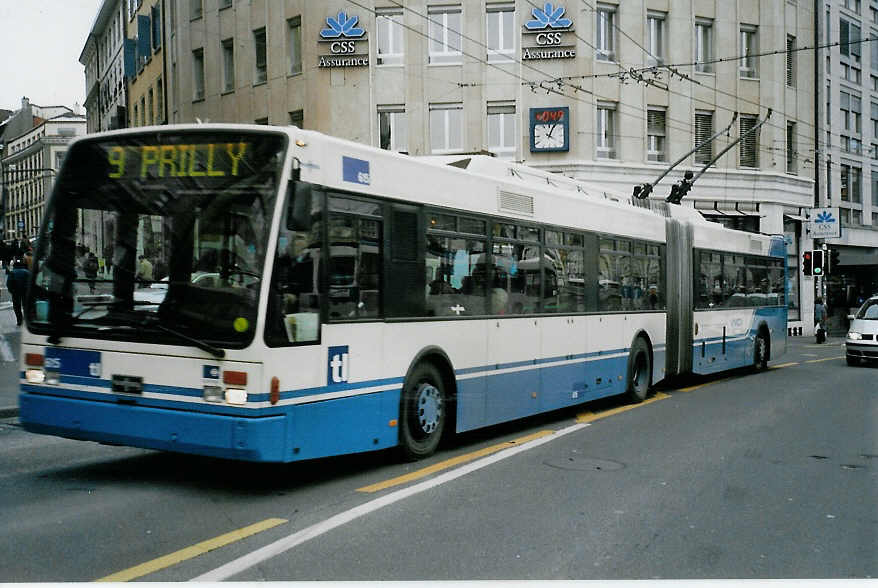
(585, 464)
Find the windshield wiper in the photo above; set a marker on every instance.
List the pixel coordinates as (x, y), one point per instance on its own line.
(203, 345)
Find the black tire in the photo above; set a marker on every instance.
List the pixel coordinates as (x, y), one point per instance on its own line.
(639, 375)
(851, 360)
(423, 412)
(760, 352)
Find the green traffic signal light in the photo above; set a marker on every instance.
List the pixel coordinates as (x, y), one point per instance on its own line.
(817, 262)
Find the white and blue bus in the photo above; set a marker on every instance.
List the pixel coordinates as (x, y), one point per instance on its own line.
(275, 294)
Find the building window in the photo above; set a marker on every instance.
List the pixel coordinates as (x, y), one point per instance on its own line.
(749, 66)
(297, 118)
(195, 9)
(501, 32)
(749, 145)
(150, 105)
(791, 61)
(703, 45)
(228, 48)
(391, 45)
(294, 37)
(225, 4)
(605, 130)
(445, 25)
(851, 178)
(501, 129)
(655, 37)
(849, 40)
(261, 73)
(655, 134)
(874, 189)
(605, 35)
(703, 132)
(142, 111)
(850, 112)
(198, 74)
(159, 101)
(446, 128)
(261, 121)
(791, 148)
(852, 5)
(393, 130)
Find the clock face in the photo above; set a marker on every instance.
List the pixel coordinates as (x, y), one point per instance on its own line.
(549, 136)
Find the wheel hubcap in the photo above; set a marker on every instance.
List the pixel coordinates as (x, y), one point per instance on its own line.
(429, 403)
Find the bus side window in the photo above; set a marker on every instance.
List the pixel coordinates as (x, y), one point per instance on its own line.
(457, 276)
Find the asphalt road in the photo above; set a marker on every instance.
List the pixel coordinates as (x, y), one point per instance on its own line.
(751, 475)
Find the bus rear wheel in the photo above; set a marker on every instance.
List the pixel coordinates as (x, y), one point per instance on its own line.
(423, 412)
(639, 371)
(760, 352)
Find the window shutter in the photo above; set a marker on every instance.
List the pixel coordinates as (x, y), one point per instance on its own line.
(749, 146)
(155, 11)
(703, 131)
(791, 47)
(144, 35)
(655, 122)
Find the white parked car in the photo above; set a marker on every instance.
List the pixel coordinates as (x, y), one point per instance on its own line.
(862, 340)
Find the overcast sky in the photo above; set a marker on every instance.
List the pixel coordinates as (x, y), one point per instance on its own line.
(40, 43)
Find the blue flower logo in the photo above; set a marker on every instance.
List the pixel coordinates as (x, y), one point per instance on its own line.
(824, 217)
(342, 25)
(548, 17)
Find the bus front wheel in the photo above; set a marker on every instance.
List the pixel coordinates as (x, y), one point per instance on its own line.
(423, 412)
(639, 371)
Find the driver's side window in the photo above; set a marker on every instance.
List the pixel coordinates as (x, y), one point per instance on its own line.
(294, 299)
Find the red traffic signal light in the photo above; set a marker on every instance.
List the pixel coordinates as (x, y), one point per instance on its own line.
(806, 263)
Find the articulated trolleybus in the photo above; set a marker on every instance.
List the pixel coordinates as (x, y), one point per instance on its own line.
(274, 294)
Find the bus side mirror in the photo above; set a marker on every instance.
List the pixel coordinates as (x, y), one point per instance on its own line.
(299, 197)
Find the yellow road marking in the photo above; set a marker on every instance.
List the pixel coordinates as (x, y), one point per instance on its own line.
(171, 559)
(448, 463)
(824, 359)
(783, 365)
(587, 417)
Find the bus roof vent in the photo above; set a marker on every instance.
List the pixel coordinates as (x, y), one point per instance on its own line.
(519, 203)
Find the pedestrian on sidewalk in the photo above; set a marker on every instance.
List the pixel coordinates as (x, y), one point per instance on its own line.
(820, 320)
(16, 283)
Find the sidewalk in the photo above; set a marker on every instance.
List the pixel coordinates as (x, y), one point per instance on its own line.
(10, 340)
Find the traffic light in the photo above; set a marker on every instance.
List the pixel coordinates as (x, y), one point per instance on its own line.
(806, 263)
(817, 262)
(833, 261)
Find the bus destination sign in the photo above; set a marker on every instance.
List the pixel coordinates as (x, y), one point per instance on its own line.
(177, 161)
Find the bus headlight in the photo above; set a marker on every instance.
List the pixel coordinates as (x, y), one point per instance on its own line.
(854, 336)
(34, 376)
(236, 396)
(213, 394)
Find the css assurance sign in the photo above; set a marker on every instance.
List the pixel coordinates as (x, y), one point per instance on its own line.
(825, 223)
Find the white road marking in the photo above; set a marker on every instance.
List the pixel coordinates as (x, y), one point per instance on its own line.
(246, 562)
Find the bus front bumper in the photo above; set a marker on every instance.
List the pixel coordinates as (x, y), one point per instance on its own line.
(233, 437)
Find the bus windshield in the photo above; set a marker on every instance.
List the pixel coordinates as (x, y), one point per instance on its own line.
(158, 237)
